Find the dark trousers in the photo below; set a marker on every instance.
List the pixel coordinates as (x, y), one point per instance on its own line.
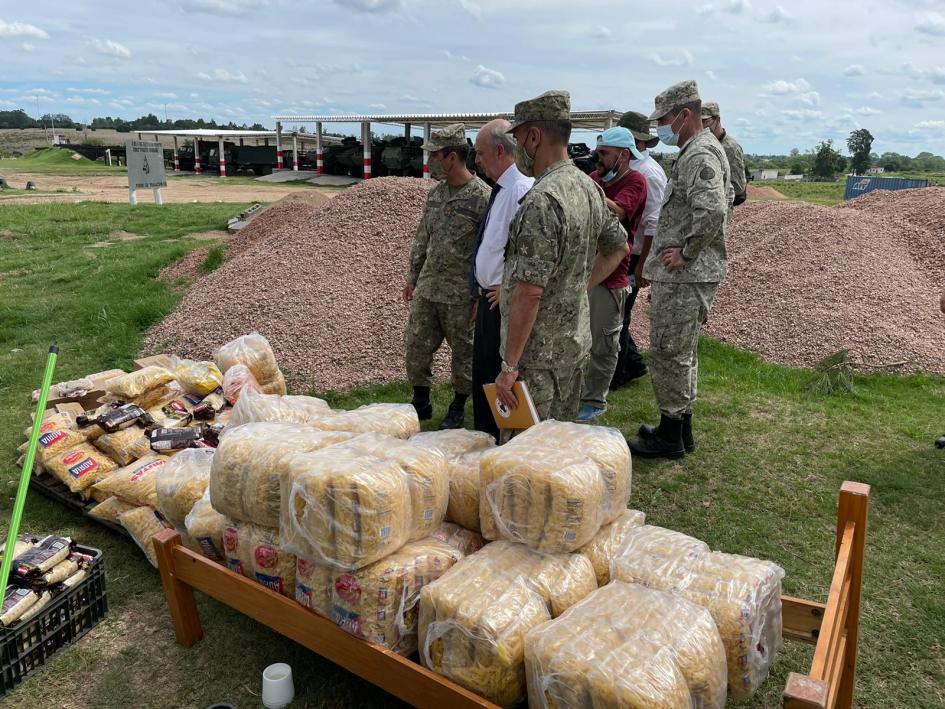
(486, 364)
(629, 361)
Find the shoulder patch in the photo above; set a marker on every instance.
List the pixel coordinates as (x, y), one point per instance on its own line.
(706, 173)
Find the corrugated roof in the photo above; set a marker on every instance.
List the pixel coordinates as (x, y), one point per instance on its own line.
(214, 133)
(590, 120)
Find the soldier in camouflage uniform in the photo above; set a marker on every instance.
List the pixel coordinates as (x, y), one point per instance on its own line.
(685, 265)
(562, 241)
(733, 151)
(438, 281)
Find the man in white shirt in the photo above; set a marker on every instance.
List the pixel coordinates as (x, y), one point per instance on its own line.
(630, 363)
(495, 157)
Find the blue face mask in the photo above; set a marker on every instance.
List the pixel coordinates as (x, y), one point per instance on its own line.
(667, 135)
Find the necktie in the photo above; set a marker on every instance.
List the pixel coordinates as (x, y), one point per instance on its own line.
(480, 232)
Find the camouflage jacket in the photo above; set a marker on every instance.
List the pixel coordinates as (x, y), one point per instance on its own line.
(695, 214)
(560, 225)
(736, 162)
(441, 256)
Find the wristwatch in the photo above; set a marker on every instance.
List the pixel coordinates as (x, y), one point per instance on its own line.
(508, 368)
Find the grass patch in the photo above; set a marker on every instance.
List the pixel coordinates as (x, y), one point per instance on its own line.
(764, 481)
(213, 260)
(825, 193)
(58, 161)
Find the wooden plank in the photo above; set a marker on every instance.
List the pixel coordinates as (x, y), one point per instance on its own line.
(853, 507)
(161, 360)
(834, 617)
(835, 672)
(803, 692)
(801, 619)
(180, 596)
(407, 680)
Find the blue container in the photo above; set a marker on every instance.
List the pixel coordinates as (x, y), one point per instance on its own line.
(859, 186)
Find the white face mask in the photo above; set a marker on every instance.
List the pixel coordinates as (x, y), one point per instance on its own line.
(666, 133)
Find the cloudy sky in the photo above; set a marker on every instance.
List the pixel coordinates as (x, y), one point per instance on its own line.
(786, 75)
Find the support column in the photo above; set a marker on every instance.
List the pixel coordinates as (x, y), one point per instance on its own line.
(295, 153)
(176, 156)
(278, 145)
(407, 131)
(222, 160)
(366, 142)
(426, 154)
(319, 158)
(241, 142)
(197, 169)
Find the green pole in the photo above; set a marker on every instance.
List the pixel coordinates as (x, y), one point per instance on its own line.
(27, 470)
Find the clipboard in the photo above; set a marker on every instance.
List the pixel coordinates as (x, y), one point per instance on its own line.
(523, 416)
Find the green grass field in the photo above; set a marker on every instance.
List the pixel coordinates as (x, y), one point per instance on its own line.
(763, 482)
(57, 161)
(825, 193)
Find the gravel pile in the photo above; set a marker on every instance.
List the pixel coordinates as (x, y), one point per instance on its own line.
(294, 211)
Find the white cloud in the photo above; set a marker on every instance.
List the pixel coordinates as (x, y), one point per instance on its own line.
(867, 111)
(471, 7)
(782, 87)
(711, 75)
(167, 94)
(21, 29)
(28, 47)
(223, 7)
(854, 70)
(917, 98)
(810, 98)
(410, 98)
(931, 23)
(370, 6)
(600, 32)
(378, 106)
(930, 125)
(77, 90)
(778, 16)
(224, 76)
(110, 48)
(684, 59)
(449, 55)
(487, 78)
(802, 114)
(736, 7)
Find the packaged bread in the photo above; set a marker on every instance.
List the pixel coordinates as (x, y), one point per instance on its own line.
(110, 508)
(235, 379)
(80, 467)
(606, 446)
(142, 524)
(182, 482)
(344, 508)
(255, 552)
(427, 477)
(548, 499)
(454, 442)
(254, 406)
(255, 352)
(198, 378)
(602, 549)
(463, 506)
(124, 446)
(627, 646)
(57, 433)
(135, 483)
(134, 384)
(249, 462)
(397, 420)
(205, 526)
(474, 618)
(377, 603)
(460, 538)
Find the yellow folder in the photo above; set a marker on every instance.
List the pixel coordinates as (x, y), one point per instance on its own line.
(522, 416)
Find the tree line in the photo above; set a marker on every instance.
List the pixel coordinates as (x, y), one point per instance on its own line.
(20, 119)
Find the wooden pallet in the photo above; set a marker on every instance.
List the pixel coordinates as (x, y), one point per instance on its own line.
(832, 626)
(50, 487)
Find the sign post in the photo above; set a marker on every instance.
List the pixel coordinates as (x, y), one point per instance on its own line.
(145, 160)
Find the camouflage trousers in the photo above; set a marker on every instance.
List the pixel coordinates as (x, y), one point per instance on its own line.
(429, 323)
(556, 392)
(677, 313)
(606, 305)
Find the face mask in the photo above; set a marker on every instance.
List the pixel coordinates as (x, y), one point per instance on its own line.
(611, 174)
(437, 171)
(666, 133)
(523, 161)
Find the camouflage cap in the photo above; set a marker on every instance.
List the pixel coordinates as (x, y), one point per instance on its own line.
(453, 136)
(710, 109)
(550, 106)
(639, 127)
(675, 96)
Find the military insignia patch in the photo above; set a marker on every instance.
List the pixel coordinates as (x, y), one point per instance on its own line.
(707, 173)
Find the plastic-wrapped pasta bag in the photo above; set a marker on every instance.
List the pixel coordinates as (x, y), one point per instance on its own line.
(465, 540)
(463, 507)
(142, 524)
(454, 442)
(249, 462)
(550, 500)
(135, 483)
(57, 433)
(79, 468)
(397, 420)
(253, 406)
(603, 547)
(255, 552)
(182, 483)
(606, 446)
(427, 477)
(110, 508)
(205, 526)
(255, 352)
(629, 646)
(124, 446)
(377, 603)
(235, 380)
(343, 508)
(134, 384)
(198, 378)
(656, 557)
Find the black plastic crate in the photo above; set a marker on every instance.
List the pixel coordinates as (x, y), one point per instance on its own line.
(25, 647)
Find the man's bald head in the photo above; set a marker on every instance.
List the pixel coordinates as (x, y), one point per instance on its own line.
(495, 148)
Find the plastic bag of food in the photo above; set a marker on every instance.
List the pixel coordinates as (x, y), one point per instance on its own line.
(205, 526)
(235, 379)
(548, 499)
(41, 602)
(16, 601)
(427, 477)
(454, 442)
(22, 543)
(464, 540)
(397, 420)
(656, 557)
(60, 572)
(142, 524)
(41, 557)
(463, 506)
(629, 646)
(377, 603)
(175, 414)
(135, 483)
(134, 384)
(57, 433)
(602, 549)
(255, 352)
(182, 483)
(344, 508)
(110, 508)
(255, 552)
(606, 446)
(249, 462)
(474, 618)
(80, 467)
(198, 378)
(253, 406)
(124, 446)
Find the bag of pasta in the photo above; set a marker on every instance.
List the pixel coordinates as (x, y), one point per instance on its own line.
(255, 552)
(182, 483)
(205, 526)
(397, 420)
(80, 467)
(124, 446)
(198, 378)
(454, 442)
(134, 384)
(253, 406)
(142, 524)
(135, 483)
(256, 353)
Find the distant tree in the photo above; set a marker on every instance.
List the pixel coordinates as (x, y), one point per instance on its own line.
(827, 162)
(16, 119)
(859, 144)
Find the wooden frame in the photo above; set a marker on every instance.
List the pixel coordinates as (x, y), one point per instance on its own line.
(832, 626)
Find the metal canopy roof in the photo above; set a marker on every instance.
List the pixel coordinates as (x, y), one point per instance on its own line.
(212, 133)
(587, 120)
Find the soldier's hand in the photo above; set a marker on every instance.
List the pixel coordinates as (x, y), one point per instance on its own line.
(641, 281)
(493, 295)
(673, 260)
(503, 389)
(408, 292)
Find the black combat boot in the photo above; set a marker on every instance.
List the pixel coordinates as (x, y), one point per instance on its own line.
(421, 402)
(456, 414)
(689, 443)
(665, 441)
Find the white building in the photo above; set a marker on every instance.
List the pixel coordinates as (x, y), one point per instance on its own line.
(764, 175)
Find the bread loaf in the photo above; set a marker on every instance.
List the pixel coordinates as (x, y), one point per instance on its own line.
(463, 507)
(603, 547)
(255, 552)
(397, 420)
(182, 483)
(454, 442)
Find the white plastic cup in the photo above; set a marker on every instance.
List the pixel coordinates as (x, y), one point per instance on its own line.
(277, 687)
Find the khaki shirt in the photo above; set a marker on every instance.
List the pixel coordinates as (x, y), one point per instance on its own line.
(736, 162)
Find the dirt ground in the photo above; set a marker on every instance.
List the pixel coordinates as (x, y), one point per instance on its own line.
(114, 188)
(764, 193)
